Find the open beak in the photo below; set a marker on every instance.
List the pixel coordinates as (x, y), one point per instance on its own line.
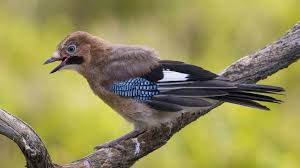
(54, 58)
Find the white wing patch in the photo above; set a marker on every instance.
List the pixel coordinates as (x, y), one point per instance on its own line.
(171, 76)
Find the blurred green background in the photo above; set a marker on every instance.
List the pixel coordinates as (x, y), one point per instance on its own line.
(71, 120)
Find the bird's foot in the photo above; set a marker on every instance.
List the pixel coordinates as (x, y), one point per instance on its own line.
(111, 144)
(116, 143)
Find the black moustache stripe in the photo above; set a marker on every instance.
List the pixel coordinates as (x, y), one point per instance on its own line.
(74, 60)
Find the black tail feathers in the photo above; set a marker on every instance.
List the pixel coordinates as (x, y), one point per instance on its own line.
(260, 88)
(248, 94)
(176, 96)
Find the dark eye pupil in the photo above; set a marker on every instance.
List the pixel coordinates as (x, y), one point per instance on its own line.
(71, 48)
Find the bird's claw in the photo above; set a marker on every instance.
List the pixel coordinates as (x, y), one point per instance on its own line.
(112, 144)
(116, 143)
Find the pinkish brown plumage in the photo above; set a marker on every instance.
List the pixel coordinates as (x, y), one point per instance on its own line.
(105, 63)
(146, 90)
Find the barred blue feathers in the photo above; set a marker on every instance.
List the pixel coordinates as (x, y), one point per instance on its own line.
(174, 86)
(139, 89)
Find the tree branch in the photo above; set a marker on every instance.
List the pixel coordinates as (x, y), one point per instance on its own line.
(25, 137)
(249, 69)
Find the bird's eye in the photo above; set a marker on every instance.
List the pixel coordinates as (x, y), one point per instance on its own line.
(71, 49)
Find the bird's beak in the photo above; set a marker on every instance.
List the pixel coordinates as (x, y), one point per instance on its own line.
(56, 57)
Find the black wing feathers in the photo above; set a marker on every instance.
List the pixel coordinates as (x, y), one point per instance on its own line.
(155, 75)
(183, 101)
(164, 106)
(207, 84)
(195, 73)
(201, 85)
(195, 92)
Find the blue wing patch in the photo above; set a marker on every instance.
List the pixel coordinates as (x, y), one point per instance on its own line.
(139, 89)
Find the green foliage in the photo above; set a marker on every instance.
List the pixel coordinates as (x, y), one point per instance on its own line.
(212, 34)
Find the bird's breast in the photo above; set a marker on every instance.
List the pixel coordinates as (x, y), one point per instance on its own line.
(128, 108)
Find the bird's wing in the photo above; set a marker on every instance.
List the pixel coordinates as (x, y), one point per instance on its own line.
(126, 62)
(173, 85)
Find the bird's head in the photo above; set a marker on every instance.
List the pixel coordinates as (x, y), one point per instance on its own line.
(77, 50)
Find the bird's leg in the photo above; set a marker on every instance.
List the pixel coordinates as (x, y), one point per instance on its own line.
(115, 143)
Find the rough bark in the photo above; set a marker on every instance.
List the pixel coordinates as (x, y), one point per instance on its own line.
(250, 69)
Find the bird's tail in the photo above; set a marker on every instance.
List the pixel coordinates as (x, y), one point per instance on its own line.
(249, 94)
(197, 94)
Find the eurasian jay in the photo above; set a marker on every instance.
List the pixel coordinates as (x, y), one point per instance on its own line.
(146, 90)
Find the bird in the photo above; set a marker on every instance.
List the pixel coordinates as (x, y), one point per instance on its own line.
(146, 90)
